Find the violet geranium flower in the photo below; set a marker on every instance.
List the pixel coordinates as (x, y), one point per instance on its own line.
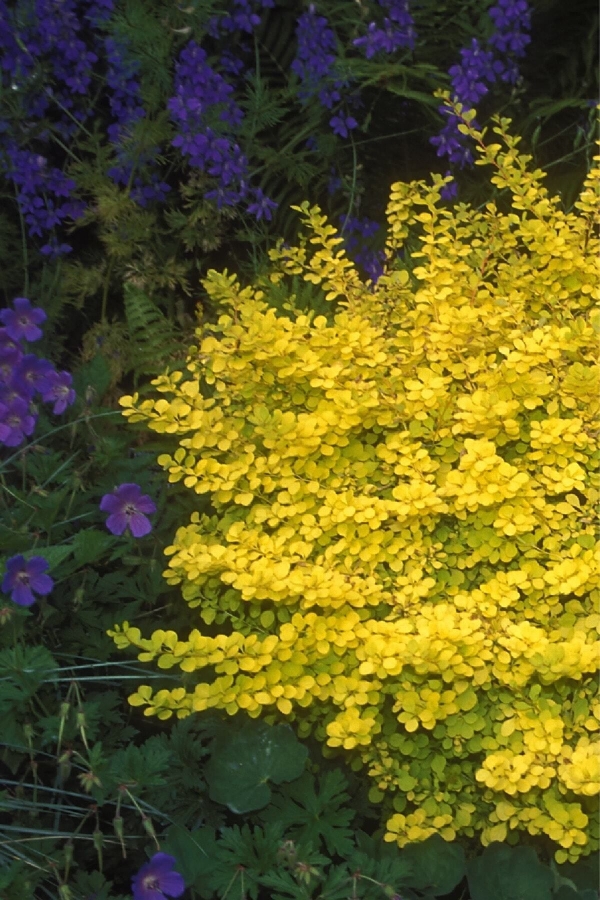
(17, 422)
(34, 374)
(22, 321)
(127, 506)
(157, 879)
(23, 577)
(60, 392)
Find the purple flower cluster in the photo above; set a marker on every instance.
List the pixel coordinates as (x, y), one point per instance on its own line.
(398, 30)
(512, 21)
(124, 98)
(23, 577)
(47, 67)
(480, 68)
(23, 375)
(355, 232)
(207, 117)
(314, 63)
(43, 195)
(98, 12)
(126, 107)
(46, 36)
(241, 17)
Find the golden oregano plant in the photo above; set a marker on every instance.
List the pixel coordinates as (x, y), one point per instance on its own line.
(402, 548)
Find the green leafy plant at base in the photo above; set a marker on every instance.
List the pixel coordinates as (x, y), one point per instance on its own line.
(399, 553)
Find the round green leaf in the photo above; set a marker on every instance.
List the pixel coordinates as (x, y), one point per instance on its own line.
(509, 873)
(435, 864)
(242, 764)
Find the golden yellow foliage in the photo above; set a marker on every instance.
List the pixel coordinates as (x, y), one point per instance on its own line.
(402, 551)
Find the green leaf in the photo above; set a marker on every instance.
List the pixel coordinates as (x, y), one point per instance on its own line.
(419, 96)
(146, 766)
(568, 893)
(242, 764)
(405, 781)
(54, 555)
(584, 874)
(509, 873)
(193, 850)
(27, 667)
(93, 884)
(95, 374)
(435, 864)
(309, 816)
(89, 545)
(13, 542)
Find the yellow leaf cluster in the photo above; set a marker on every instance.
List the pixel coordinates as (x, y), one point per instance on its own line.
(401, 555)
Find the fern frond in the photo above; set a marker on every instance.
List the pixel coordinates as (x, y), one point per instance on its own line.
(152, 338)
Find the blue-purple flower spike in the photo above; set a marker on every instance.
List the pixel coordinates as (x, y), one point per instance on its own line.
(314, 66)
(480, 68)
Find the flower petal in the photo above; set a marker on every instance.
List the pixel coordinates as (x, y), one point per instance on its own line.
(110, 503)
(117, 523)
(22, 595)
(42, 584)
(139, 525)
(128, 493)
(172, 884)
(145, 504)
(35, 565)
(163, 861)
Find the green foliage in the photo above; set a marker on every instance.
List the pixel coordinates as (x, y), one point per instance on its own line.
(314, 811)
(152, 338)
(436, 866)
(244, 761)
(509, 873)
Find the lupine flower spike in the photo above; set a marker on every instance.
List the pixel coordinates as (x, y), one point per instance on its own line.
(157, 879)
(23, 577)
(127, 506)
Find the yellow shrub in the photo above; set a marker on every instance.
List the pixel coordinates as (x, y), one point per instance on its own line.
(402, 545)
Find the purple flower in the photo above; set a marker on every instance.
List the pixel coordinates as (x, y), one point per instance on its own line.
(60, 393)
(34, 374)
(341, 124)
(10, 357)
(22, 321)
(127, 506)
(23, 577)
(352, 230)
(6, 342)
(157, 879)
(261, 206)
(450, 190)
(16, 422)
